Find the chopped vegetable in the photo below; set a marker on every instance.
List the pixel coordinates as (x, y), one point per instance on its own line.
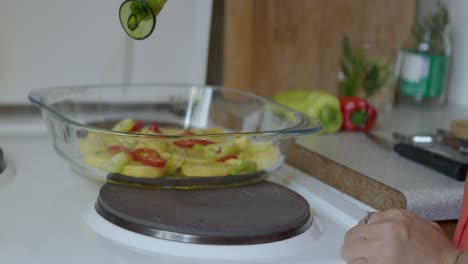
(142, 171)
(174, 162)
(244, 166)
(188, 133)
(359, 115)
(265, 154)
(154, 127)
(189, 143)
(206, 169)
(219, 150)
(242, 142)
(228, 157)
(116, 163)
(97, 159)
(137, 127)
(117, 148)
(149, 157)
(146, 131)
(125, 125)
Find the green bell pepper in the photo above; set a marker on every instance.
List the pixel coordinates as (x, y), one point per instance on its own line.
(317, 104)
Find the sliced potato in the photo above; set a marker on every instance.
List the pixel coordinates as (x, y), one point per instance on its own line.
(197, 160)
(142, 171)
(207, 131)
(242, 142)
(91, 146)
(159, 146)
(266, 155)
(97, 159)
(206, 169)
(171, 131)
(116, 162)
(174, 161)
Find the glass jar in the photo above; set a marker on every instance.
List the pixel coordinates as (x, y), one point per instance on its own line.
(368, 69)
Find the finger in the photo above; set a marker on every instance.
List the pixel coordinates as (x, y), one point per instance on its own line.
(391, 214)
(357, 232)
(435, 224)
(358, 249)
(358, 261)
(366, 218)
(364, 231)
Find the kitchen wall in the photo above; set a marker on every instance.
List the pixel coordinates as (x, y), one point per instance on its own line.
(458, 86)
(239, 75)
(276, 45)
(56, 42)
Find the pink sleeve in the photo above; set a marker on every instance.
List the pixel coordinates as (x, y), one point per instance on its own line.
(460, 238)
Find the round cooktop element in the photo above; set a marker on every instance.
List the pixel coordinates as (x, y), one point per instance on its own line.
(252, 214)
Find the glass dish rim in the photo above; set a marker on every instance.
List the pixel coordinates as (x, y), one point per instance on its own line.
(302, 126)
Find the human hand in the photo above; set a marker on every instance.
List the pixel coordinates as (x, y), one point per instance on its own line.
(398, 236)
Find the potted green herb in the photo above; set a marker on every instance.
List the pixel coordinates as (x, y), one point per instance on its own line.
(366, 75)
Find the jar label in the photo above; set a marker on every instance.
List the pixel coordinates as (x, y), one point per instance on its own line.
(423, 75)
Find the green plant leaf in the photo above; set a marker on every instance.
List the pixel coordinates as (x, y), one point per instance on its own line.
(345, 70)
(348, 51)
(350, 84)
(371, 81)
(434, 23)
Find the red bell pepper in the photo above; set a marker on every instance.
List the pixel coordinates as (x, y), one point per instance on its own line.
(358, 114)
(137, 127)
(154, 127)
(149, 157)
(188, 133)
(228, 157)
(188, 143)
(117, 148)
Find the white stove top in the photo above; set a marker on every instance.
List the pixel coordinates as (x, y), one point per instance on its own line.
(47, 216)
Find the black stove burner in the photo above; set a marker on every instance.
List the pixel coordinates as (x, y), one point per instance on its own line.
(258, 213)
(2, 161)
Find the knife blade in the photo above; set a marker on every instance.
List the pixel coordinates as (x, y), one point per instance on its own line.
(441, 137)
(448, 166)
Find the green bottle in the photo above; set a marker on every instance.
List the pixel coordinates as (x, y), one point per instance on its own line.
(138, 17)
(425, 60)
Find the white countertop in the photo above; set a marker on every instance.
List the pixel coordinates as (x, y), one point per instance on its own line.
(429, 194)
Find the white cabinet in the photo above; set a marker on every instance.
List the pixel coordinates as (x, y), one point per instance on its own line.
(178, 49)
(64, 42)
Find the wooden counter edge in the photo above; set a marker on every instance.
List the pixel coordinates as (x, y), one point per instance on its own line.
(353, 183)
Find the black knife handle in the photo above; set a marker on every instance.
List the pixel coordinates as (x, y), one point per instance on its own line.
(435, 161)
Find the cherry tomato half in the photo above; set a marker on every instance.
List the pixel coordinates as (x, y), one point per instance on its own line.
(188, 133)
(149, 157)
(118, 148)
(137, 127)
(154, 127)
(188, 143)
(228, 157)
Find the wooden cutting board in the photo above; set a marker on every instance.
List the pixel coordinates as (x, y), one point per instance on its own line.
(276, 45)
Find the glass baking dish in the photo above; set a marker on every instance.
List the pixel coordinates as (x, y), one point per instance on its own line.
(169, 135)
